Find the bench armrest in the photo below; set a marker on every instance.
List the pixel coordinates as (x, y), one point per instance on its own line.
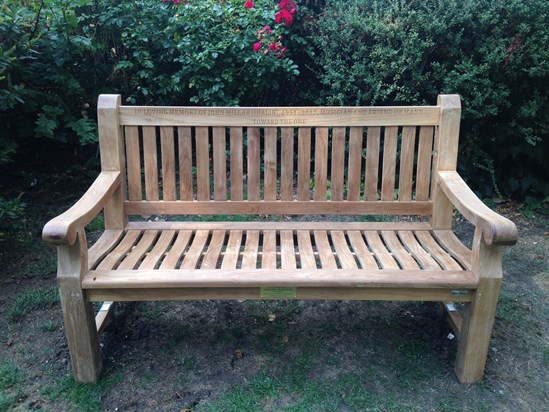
(496, 229)
(65, 227)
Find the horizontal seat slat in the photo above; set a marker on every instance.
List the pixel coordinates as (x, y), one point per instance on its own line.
(192, 278)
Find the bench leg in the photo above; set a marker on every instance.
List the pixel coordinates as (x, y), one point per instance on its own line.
(478, 319)
(80, 328)
(479, 314)
(82, 336)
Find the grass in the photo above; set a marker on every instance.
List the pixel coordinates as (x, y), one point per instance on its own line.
(33, 299)
(84, 398)
(10, 376)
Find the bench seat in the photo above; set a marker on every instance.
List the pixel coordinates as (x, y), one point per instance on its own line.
(279, 254)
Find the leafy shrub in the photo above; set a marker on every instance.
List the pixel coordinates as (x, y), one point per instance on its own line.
(493, 54)
(11, 212)
(56, 56)
(207, 55)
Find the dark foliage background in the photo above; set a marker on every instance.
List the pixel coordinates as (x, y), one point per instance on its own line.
(57, 56)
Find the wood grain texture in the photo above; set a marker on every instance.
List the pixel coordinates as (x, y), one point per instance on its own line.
(266, 276)
(111, 148)
(372, 163)
(355, 163)
(184, 139)
(78, 317)
(304, 293)
(202, 163)
(280, 116)
(167, 144)
(287, 163)
(232, 253)
(321, 163)
(269, 166)
(495, 228)
(478, 316)
(254, 167)
(388, 177)
(65, 227)
(279, 207)
(406, 173)
(151, 163)
(424, 161)
(445, 157)
(304, 164)
(338, 163)
(236, 164)
(133, 159)
(220, 163)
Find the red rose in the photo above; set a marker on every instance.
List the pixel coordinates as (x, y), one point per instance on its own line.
(249, 4)
(257, 46)
(284, 16)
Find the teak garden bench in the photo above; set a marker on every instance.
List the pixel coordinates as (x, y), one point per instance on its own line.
(279, 161)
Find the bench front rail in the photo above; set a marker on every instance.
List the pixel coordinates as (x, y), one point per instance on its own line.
(352, 161)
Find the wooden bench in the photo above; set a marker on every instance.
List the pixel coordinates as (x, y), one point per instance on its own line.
(173, 161)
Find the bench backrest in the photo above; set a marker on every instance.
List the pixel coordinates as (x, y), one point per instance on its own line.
(302, 160)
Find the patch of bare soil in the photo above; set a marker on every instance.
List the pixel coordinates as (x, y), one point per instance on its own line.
(281, 355)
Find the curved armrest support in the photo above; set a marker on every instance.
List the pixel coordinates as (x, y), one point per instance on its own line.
(64, 228)
(496, 229)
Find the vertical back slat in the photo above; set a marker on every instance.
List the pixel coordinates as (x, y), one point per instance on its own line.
(270, 163)
(184, 142)
(202, 163)
(237, 171)
(424, 159)
(321, 162)
(338, 162)
(133, 159)
(253, 163)
(220, 163)
(151, 162)
(304, 163)
(406, 163)
(355, 163)
(167, 146)
(389, 163)
(372, 163)
(287, 163)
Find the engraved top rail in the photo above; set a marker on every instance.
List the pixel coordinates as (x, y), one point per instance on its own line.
(279, 116)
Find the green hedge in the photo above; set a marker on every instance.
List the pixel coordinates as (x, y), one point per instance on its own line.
(493, 53)
(56, 56)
